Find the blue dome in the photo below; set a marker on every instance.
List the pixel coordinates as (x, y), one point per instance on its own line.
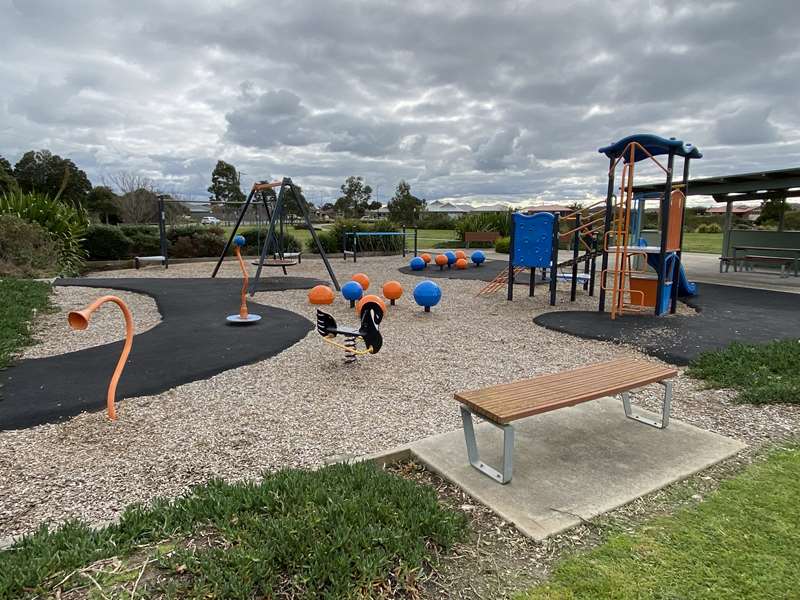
(427, 293)
(352, 290)
(239, 240)
(417, 264)
(478, 257)
(451, 257)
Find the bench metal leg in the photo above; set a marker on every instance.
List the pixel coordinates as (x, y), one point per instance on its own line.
(474, 455)
(665, 409)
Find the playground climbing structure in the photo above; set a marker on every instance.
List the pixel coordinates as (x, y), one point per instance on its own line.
(623, 278)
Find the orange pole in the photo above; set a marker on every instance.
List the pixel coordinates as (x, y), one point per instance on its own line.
(243, 305)
(79, 319)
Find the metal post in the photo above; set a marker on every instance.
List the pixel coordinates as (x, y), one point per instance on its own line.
(673, 307)
(416, 232)
(593, 271)
(355, 245)
(162, 231)
(233, 232)
(575, 249)
(554, 261)
(270, 236)
(304, 210)
(404, 241)
(664, 224)
(606, 227)
(511, 262)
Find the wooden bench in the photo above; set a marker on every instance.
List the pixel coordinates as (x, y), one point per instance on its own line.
(726, 261)
(503, 404)
(480, 236)
(782, 262)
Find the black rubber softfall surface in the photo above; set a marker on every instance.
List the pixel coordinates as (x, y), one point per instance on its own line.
(727, 314)
(192, 342)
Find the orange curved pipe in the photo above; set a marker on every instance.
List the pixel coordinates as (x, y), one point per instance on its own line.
(79, 319)
(243, 305)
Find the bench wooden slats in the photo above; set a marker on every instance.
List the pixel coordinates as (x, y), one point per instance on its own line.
(511, 401)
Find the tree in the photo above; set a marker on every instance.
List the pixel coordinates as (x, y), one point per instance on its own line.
(126, 182)
(103, 203)
(404, 207)
(374, 205)
(772, 210)
(139, 206)
(7, 182)
(48, 173)
(355, 197)
(224, 186)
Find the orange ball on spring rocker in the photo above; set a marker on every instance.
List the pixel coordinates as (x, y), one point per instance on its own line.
(461, 263)
(460, 254)
(370, 298)
(441, 260)
(392, 290)
(426, 257)
(362, 279)
(320, 294)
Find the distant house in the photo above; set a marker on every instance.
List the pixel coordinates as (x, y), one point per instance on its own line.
(456, 210)
(741, 211)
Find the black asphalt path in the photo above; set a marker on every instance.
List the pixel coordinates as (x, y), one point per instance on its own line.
(192, 342)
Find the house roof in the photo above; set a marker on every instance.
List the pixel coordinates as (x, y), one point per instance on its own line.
(737, 210)
(551, 208)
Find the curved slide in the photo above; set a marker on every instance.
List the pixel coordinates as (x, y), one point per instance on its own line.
(685, 287)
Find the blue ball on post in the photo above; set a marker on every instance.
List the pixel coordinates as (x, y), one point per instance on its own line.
(478, 258)
(417, 264)
(352, 291)
(451, 258)
(239, 240)
(427, 294)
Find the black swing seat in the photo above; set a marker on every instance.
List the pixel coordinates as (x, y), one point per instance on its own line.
(276, 262)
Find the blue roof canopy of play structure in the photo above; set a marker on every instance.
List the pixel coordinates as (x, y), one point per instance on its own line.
(654, 144)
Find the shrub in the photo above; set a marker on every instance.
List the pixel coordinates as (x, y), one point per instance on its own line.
(709, 228)
(26, 249)
(499, 222)
(66, 224)
(183, 247)
(173, 233)
(254, 237)
(434, 220)
(331, 239)
(144, 243)
(502, 245)
(106, 242)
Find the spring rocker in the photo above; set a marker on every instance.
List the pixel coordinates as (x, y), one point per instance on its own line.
(243, 317)
(79, 320)
(370, 309)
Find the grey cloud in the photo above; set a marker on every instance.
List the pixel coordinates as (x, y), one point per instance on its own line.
(459, 97)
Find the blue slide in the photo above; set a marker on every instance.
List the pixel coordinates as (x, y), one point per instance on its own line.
(685, 287)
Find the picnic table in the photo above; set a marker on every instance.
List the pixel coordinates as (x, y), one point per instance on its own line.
(748, 249)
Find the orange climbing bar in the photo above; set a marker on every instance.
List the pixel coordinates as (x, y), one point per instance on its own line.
(79, 319)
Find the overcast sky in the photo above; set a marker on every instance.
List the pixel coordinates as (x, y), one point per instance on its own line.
(463, 99)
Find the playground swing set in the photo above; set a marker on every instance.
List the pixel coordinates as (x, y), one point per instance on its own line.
(275, 231)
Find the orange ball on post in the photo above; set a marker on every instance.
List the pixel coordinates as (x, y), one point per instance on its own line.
(461, 263)
(320, 294)
(370, 298)
(362, 279)
(460, 254)
(392, 290)
(426, 257)
(441, 260)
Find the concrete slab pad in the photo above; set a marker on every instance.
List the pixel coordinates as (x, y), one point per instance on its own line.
(575, 463)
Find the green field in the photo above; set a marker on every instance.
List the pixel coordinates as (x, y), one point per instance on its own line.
(741, 542)
(20, 299)
(710, 243)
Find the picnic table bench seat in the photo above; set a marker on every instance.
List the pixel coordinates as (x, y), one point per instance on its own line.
(783, 262)
(503, 404)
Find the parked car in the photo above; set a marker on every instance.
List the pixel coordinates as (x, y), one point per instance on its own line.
(209, 221)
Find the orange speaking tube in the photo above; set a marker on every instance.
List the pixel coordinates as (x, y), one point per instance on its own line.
(243, 305)
(79, 319)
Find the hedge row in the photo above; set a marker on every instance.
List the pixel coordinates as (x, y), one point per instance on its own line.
(119, 242)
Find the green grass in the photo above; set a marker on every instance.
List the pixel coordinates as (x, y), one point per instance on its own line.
(335, 532)
(18, 299)
(710, 243)
(762, 373)
(742, 542)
